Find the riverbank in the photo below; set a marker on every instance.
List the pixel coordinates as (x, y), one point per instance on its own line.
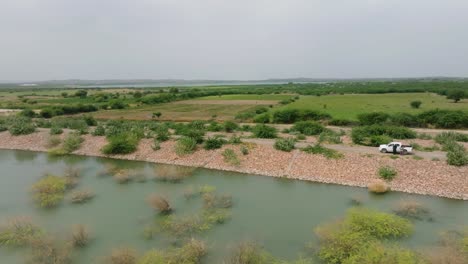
(427, 177)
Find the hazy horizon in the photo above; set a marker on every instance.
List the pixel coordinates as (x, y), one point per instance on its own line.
(236, 40)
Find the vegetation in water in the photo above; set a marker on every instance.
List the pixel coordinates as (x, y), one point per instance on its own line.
(159, 203)
(49, 190)
(412, 210)
(81, 196)
(173, 174)
(19, 232)
(80, 236)
(122, 255)
(191, 252)
(378, 187)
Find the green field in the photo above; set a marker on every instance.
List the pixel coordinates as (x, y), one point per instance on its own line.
(249, 97)
(348, 106)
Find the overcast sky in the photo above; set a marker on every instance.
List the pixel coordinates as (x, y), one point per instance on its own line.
(232, 39)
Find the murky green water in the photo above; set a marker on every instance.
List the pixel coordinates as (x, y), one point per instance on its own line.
(280, 214)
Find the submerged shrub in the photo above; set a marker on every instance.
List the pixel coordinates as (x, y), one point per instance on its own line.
(123, 255)
(171, 173)
(190, 253)
(249, 253)
(230, 157)
(122, 176)
(124, 143)
(387, 173)
(285, 144)
(264, 131)
(19, 232)
(185, 145)
(159, 203)
(411, 209)
(378, 253)
(327, 152)
(378, 186)
(49, 191)
(81, 196)
(48, 250)
(80, 236)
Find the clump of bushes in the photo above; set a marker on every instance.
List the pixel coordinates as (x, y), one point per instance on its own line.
(49, 191)
(319, 149)
(185, 145)
(308, 128)
(122, 177)
(330, 137)
(19, 232)
(411, 209)
(359, 236)
(99, 131)
(250, 252)
(456, 153)
(124, 143)
(285, 144)
(172, 173)
(230, 126)
(80, 197)
(374, 135)
(122, 255)
(21, 126)
(55, 130)
(47, 250)
(71, 143)
(230, 157)
(378, 186)
(213, 143)
(387, 173)
(159, 203)
(264, 131)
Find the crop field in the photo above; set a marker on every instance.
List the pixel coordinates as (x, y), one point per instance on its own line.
(178, 112)
(348, 106)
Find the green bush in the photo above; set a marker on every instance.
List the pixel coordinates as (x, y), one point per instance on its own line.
(319, 149)
(163, 134)
(121, 144)
(415, 104)
(72, 142)
(230, 157)
(19, 232)
(368, 135)
(285, 144)
(264, 131)
(341, 122)
(244, 150)
(387, 173)
(330, 136)
(262, 118)
(308, 128)
(28, 113)
(99, 131)
(230, 126)
(190, 253)
(457, 156)
(185, 145)
(55, 130)
(21, 126)
(445, 137)
(49, 191)
(373, 118)
(214, 143)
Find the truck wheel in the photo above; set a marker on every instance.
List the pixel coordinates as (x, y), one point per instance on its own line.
(383, 151)
(404, 152)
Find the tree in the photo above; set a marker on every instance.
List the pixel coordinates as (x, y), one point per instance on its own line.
(137, 95)
(173, 90)
(81, 93)
(456, 95)
(157, 114)
(64, 94)
(415, 104)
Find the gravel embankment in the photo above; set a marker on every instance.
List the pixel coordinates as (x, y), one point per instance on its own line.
(355, 169)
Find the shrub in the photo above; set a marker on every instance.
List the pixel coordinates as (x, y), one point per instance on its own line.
(411, 209)
(230, 126)
(185, 145)
(244, 150)
(341, 122)
(121, 144)
(319, 149)
(308, 128)
(171, 173)
(264, 131)
(159, 203)
(231, 157)
(71, 143)
(285, 144)
(373, 118)
(378, 186)
(163, 134)
(286, 116)
(445, 137)
(21, 126)
(405, 119)
(47, 250)
(456, 95)
(90, 121)
(330, 137)
(190, 253)
(387, 173)
(249, 252)
(235, 140)
(371, 135)
(262, 118)
(99, 131)
(415, 104)
(55, 130)
(214, 143)
(156, 145)
(81, 196)
(19, 232)
(49, 191)
(80, 236)
(457, 157)
(27, 113)
(53, 141)
(378, 253)
(122, 177)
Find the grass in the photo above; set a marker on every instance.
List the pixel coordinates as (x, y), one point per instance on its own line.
(321, 150)
(185, 145)
(230, 157)
(349, 106)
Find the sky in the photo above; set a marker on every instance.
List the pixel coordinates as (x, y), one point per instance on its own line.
(232, 39)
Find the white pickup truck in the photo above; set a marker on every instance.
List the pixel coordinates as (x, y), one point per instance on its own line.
(400, 148)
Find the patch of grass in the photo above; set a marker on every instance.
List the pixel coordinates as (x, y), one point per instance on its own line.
(185, 145)
(416, 157)
(285, 144)
(230, 157)
(55, 130)
(214, 143)
(124, 143)
(308, 128)
(53, 141)
(49, 191)
(330, 136)
(264, 131)
(387, 173)
(19, 232)
(319, 149)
